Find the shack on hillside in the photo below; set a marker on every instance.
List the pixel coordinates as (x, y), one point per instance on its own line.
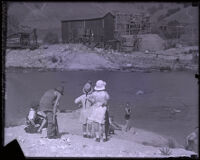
(23, 39)
(100, 29)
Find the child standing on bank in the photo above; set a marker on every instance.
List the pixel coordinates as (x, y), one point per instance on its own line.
(86, 109)
(98, 116)
(127, 116)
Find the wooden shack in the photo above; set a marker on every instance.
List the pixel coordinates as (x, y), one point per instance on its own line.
(100, 29)
(22, 40)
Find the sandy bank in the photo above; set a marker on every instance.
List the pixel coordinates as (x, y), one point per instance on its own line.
(72, 144)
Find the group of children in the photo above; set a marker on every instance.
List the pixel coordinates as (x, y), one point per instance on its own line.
(94, 116)
(94, 112)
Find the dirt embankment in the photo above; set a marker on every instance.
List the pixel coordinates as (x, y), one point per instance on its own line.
(79, 57)
(174, 59)
(72, 144)
(61, 57)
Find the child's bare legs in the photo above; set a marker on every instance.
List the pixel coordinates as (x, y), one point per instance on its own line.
(96, 130)
(102, 131)
(89, 129)
(84, 130)
(42, 125)
(127, 126)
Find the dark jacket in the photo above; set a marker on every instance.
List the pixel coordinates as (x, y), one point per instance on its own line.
(47, 100)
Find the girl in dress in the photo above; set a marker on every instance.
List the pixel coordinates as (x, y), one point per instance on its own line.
(99, 98)
(86, 110)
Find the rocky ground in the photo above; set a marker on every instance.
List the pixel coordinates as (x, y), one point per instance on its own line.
(79, 57)
(72, 144)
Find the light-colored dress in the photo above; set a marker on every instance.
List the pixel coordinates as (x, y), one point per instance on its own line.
(100, 99)
(86, 108)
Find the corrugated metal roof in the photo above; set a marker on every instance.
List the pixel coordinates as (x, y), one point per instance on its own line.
(97, 15)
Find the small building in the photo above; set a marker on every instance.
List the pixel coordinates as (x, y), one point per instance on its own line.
(22, 39)
(172, 29)
(100, 29)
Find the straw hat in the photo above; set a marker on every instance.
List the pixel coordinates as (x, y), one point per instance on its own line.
(100, 85)
(60, 89)
(87, 89)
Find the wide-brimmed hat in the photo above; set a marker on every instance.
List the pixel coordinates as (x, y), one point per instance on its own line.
(60, 89)
(100, 85)
(87, 89)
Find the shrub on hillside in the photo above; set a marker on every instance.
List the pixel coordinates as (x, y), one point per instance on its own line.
(170, 43)
(161, 17)
(172, 11)
(169, 13)
(54, 59)
(51, 38)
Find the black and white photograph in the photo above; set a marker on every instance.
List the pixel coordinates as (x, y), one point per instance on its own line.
(102, 79)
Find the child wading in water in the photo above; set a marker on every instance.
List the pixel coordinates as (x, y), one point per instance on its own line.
(127, 117)
(86, 110)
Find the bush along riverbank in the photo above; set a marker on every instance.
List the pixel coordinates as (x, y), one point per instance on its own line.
(135, 143)
(61, 57)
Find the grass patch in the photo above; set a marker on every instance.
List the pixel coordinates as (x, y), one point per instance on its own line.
(165, 151)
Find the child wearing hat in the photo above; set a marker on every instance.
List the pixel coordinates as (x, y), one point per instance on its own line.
(100, 98)
(48, 104)
(86, 109)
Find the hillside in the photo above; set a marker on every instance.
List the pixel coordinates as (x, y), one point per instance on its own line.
(49, 15)
(185, 15)
(46, 17)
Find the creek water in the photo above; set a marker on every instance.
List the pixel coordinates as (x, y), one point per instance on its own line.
(168, 105)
